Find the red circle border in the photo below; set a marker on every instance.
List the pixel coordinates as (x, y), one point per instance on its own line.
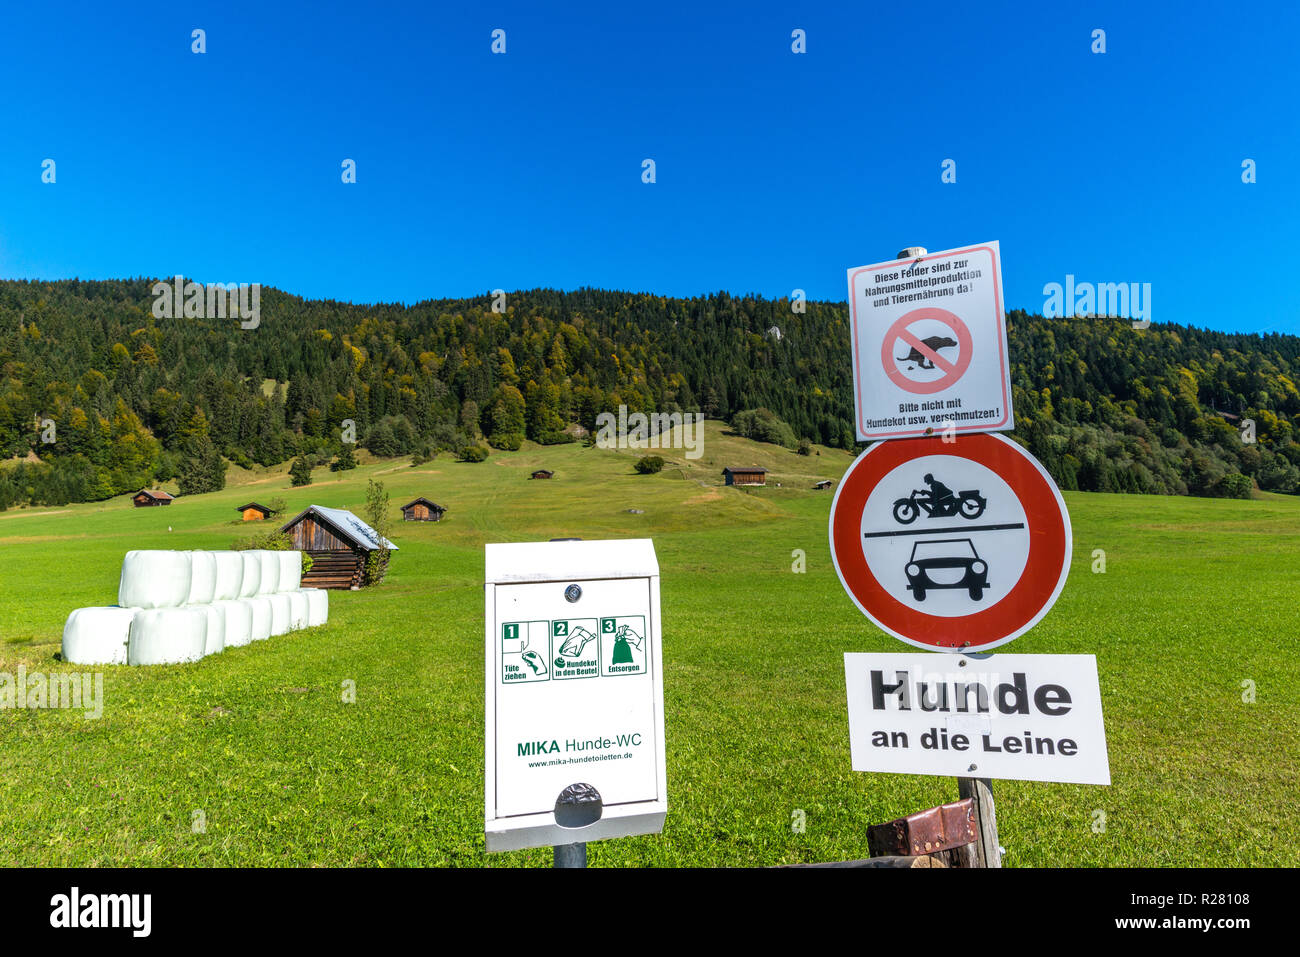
(1029, 599)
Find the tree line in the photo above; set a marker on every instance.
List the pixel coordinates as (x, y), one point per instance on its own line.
(97, 397)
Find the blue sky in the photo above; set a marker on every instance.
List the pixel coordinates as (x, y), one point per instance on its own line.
(775, 171)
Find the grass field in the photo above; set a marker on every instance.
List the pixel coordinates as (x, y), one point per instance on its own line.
(1197, 597)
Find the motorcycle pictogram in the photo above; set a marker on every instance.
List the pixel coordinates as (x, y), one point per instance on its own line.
(939, 502)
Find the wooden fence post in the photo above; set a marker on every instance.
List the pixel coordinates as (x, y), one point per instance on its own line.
(980, 790)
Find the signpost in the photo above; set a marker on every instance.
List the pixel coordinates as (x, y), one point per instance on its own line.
(956, 543)
(574, 704)
(930, 344)
(950, 546)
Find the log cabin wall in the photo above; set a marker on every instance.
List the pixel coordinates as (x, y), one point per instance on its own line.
(309, 535)
(335, 569)
(335, 562)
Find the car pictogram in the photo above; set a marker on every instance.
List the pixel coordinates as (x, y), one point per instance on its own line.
(946, 563)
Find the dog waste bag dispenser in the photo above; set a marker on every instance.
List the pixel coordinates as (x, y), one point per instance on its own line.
(575, 725)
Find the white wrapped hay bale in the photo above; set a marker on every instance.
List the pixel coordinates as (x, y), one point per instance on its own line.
(281, 613)
(290, 571)
(166, 636)
(203, 578)
(214, 641)
(239, 621)
(270, 582)
(154, 579)
(230, 575)
(97, 636)
(318, 606)
(260, 613)
(252, 578)
(299, 610)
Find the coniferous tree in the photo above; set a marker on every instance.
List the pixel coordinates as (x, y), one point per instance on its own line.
(1168, 410)
(300, 472)
(202, 468)
(507, 419)
(345, 460)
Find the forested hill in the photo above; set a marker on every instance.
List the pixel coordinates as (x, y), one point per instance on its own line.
(110, 398)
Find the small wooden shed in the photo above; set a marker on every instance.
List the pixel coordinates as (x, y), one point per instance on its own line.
(147, 497)
(745, 475)
(339, 544)
(543, 474)
(253, 512)
(422, 510)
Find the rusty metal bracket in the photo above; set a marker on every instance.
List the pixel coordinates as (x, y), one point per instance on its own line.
(933, 831)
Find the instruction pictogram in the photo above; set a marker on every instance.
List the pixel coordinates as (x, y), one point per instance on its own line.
(623, 646)
(576, 648)
(525, 646)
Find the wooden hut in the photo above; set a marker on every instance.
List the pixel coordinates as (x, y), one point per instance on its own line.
(543, 474)
(339, 544)
(150, 496)
(254, 512)
(422, 510)
(745, 475)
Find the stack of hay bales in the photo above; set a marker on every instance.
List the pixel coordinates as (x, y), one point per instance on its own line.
(175, 607)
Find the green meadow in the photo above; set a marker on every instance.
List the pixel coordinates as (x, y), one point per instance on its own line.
(1197, 604)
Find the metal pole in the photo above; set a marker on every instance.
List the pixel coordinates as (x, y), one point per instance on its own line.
(980, 790)
(571, 855)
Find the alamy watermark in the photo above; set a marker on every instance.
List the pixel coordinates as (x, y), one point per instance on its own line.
(1119, 300)
(658, 430)
(72, 691)
(179, 298)
(76, 909)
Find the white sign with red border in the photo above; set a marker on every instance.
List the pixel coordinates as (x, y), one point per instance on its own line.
(956, 546)
(930, 345)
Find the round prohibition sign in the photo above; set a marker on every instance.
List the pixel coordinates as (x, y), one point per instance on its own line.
(952, 370)
(1045, 569)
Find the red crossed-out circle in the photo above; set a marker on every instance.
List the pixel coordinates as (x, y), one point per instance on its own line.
(1050, 544)
(952, 371)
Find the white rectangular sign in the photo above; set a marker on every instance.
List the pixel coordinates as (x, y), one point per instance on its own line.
(930, 345)
(1017, 717)
(574, 690)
